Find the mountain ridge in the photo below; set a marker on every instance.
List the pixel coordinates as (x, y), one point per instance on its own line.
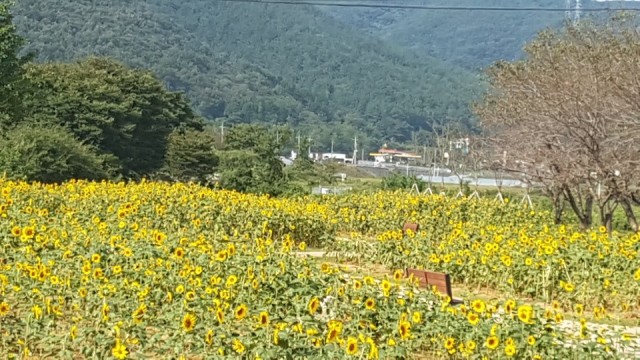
(470, 39)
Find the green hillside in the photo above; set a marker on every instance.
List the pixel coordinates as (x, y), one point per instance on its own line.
(471, 39)
(136, 33)
(260, 63)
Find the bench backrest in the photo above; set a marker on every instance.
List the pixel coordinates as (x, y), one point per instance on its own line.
(410, 226)
(428, 279)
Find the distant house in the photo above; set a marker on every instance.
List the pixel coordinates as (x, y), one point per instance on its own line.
(380, 158)
(460, 144)
(334, 157)
(286, 161)
(386, 155)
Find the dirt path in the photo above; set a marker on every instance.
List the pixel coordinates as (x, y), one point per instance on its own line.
(312, 253)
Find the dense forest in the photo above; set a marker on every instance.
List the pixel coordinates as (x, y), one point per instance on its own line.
(272, 64)
(471, 39)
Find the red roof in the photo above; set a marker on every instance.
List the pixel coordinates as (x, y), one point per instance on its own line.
(389, 151)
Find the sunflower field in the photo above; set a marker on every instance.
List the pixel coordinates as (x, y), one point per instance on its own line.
(175, 271)
(519, 254)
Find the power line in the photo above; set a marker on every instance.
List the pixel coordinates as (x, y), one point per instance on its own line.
(337, 3)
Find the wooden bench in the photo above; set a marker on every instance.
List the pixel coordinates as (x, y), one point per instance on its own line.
(430, 279)
(410, 226)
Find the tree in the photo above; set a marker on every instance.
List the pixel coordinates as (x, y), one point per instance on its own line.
(250, 160)
(120, 111)
(191, 155)
(567, 116)
(48, 155)
(453, 150)
(237, 171)
(11, 81)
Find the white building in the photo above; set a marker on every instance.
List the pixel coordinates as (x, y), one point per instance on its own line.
(335, 157)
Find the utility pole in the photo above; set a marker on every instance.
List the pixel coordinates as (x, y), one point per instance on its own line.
(424, 154)
(355, 149)
(309, 138)
(332, 146)
(414, 139)
(573, 10)
(222, 132)
(436, 166)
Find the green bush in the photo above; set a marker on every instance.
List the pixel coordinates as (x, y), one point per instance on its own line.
(397, 181)
(191, 155)
(48, 155)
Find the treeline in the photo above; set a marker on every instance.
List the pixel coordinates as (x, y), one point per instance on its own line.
(91, 119)
(99, 119)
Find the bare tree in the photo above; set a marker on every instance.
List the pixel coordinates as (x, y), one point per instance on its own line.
(475, 160)
(441, 133)
(567, 116)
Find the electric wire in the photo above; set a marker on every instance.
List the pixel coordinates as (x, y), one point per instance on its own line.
(373, 4)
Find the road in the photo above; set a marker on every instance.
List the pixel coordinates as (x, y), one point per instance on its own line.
(426, 174)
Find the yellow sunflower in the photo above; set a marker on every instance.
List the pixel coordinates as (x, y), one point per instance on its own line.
(238, 346)
(450, 343)
(473, 318)
(241, 312)
(16, 231)
(314, 304)
(332, 335)
(188, 322)
(404, 328)
(119, 351)
(138, 313)
(492, 342)
(352, 346)
(416, 317)
(4, 309)
(263, 319)
(478, 306)
(208, 338)
(220, 315)
(510, 350)
(525, 314)
(370, 304)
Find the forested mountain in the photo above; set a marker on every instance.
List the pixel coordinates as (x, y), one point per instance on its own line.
(260, 63)
(137, 33)
(471, 39)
